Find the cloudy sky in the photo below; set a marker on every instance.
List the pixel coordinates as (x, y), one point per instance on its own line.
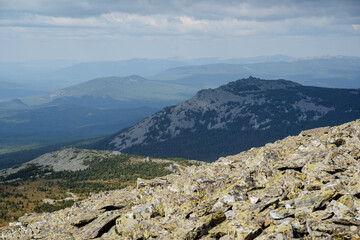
(121, 29)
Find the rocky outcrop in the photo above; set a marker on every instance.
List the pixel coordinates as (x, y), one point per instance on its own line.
(302, 187)
(66, 159)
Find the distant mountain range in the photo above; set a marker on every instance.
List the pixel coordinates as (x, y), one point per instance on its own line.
(53, 75)
(234, 117)
(337, 72)
(177, 84)
(37, 78)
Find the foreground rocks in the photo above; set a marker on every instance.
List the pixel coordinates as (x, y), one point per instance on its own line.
(303, 187)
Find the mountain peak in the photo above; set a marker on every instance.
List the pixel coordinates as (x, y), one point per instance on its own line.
(256, 84)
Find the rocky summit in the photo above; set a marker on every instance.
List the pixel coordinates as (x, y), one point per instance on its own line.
(302, 187)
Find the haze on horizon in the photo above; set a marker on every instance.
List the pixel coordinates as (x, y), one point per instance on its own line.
(90, 30)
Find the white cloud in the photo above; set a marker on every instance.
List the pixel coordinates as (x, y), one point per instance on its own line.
(153, 25)
(179, 22)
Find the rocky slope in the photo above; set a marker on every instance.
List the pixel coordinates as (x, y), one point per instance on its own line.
(302, 187)
(235, 117)
(67, 159)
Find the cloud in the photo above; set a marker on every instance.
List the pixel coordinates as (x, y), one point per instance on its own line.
(134, 24)
(200, 9)
(185, 21)
(118, 23)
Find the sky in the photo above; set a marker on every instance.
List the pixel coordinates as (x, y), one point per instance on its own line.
(97, 30)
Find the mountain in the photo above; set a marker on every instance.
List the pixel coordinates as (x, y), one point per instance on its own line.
(235, 117)
(302, 187)
(131, 91)
(337, 72)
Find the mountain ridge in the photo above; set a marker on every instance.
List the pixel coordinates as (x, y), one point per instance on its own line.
(335, 72)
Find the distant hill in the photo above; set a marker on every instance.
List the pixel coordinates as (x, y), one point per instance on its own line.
(130, 90)
(337, 72)
(234, 117)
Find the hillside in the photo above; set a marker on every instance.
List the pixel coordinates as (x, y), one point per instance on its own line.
(55, 180)
(235, 117)
(302, 187)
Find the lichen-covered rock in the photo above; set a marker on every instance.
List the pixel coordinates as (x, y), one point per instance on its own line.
(302, 187)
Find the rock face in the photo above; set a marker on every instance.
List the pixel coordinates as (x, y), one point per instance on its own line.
(302, 187)
(235, 117)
